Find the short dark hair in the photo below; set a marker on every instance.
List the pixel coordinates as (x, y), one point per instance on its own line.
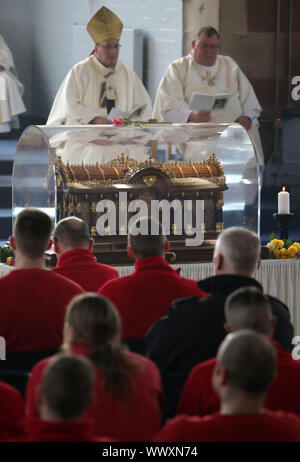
(148, 245)
(249, 308)
(209, 31)
(72, 230)
(67, 386)
(250, 361)
(32, 231)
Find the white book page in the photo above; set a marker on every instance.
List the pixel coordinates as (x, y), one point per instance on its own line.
(200, 102)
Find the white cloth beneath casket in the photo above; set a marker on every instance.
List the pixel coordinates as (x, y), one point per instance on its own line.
(11, 89)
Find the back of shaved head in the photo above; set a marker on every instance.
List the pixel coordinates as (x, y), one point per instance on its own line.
(250, 361)
(72, 231)
(240, 248)
(249, 308)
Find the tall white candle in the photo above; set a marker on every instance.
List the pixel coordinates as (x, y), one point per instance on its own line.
(283, 202)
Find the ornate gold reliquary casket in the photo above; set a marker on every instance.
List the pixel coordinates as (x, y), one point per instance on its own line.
(89, 191)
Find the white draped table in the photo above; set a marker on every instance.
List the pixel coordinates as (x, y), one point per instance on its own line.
(280, 278)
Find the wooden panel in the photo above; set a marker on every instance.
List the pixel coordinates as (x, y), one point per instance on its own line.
(262, 15)
(265, 91)
(296, 54)
(296, 16)
(255, 48)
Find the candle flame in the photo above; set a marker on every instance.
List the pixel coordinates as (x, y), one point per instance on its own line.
(283, 188)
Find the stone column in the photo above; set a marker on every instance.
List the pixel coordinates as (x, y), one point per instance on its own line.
(196, 14)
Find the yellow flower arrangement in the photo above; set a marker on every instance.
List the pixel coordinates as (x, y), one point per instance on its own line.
(278, 243)
(9, 260)
(283, 248)
(292, 250)
(283, 253)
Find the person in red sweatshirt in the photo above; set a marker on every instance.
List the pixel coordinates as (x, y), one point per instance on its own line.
(11, 412)
(245, 308)
(33, 300)
(145, 295)
(244, 371)
(73, 247)
(128, 390)
(66, 393)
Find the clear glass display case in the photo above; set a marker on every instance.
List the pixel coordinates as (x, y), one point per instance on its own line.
(41, 148)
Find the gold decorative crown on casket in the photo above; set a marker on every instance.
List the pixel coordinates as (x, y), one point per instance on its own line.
(122, 169)
(81, 186)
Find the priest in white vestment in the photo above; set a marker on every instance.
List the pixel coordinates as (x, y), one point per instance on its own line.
(100, 82)
(11, 91)
(203, 71)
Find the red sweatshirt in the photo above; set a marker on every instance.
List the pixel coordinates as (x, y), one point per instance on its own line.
(80, 266)
(145, 295)
(32, 308)
(138, 420)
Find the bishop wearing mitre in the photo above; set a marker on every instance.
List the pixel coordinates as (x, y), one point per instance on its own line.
(100, 82)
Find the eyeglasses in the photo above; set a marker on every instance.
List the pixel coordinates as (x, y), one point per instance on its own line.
(110, 47)
(204, 46)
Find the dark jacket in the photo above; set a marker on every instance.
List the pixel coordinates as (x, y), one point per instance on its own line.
(193, 329)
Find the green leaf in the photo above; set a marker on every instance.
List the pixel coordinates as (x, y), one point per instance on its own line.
(287, 243)
(272, 236)
(4, 253)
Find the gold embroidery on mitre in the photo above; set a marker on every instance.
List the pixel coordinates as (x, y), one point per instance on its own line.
(209, 78)
(104, 25)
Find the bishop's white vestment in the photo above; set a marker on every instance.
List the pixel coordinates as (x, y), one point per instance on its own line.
(11, 103)
(80, 96)
(185, 76)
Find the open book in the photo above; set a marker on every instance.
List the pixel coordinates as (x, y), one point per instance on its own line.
(136, 112)
(201, 102)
